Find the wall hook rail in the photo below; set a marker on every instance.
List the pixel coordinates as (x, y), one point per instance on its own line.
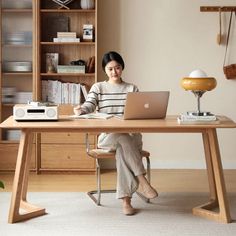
(217, 8)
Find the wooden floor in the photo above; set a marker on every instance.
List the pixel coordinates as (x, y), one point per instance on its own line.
(162, 180)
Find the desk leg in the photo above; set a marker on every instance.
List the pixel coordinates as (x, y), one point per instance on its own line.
(218, 196)
(210, 171)
(19, 190)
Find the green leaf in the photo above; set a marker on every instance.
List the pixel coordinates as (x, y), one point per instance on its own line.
(1, 184)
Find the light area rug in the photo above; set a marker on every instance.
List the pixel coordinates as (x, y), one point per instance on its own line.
(73, 213)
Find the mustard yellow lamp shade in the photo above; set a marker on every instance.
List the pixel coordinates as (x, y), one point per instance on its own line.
(198, 81)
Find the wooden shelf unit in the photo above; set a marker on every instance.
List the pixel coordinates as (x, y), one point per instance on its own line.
(67, 151)
(51, 152)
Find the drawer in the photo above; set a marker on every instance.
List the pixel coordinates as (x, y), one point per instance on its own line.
(67, 138)
(68, 156)
(8, 156)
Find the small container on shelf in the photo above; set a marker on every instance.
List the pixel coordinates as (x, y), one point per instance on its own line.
(88, 32)
(17, 66)
(87, 4)
(8, 94)
(18, 38)
(13, 135)
(22, 4)
(23, 97)
(52, 62)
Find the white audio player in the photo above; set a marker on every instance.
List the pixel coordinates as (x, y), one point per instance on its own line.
(29, 112)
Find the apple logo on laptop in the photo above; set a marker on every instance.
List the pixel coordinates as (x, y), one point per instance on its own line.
(146, 105)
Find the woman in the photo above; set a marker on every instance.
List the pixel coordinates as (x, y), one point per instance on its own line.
(109, 97)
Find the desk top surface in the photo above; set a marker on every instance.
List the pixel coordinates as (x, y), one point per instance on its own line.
(65, 123)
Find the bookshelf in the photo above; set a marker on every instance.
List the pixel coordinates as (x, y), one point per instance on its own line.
(66, 151)
(41, 20)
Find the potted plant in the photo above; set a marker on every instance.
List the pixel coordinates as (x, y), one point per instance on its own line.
(1, 184)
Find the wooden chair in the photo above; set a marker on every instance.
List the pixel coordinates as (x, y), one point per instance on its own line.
(101, 154)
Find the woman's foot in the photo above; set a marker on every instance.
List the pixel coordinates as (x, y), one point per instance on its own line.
(147, 191)
(145, 188)
(127, 207)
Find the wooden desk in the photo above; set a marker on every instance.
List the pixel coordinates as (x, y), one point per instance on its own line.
(217, 198)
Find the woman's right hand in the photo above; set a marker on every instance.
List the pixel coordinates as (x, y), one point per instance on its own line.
(77, 110)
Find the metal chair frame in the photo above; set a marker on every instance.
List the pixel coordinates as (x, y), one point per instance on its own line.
(99, 154)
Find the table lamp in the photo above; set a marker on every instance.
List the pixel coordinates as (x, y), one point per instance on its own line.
(198, 83)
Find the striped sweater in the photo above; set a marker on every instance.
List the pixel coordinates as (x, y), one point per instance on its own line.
(108, 98)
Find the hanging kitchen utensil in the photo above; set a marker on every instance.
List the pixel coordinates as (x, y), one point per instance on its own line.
(229, 70)
(219, 35)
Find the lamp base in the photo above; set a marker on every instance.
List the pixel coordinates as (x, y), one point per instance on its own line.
(201, 113)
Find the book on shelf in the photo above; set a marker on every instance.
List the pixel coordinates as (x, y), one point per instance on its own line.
(90, 65)
(58, 92)
(66, 34)
(54, 24)
(66, 40)
(71, 69)
(84, 91)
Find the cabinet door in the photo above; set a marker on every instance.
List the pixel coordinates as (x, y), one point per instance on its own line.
(8, 156)
(16, 83)
(65, 157)
(66, 138)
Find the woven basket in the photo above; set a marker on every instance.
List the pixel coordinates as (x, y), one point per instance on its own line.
(230, 71)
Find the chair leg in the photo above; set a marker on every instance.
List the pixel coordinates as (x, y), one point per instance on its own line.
(148, 173)
(148, 169)
(98, 192)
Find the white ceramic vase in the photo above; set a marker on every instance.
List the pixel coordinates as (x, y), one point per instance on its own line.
(87, 4)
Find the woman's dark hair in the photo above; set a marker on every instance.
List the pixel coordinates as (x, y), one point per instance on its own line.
(112, 56)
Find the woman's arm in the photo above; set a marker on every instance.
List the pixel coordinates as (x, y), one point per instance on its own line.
(91, 102)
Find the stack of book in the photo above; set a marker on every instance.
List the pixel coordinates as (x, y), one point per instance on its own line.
(193, 119)
(55, 91)
(66, 37)
(71, 69)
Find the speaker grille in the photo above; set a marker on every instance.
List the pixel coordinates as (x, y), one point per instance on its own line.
(19, 112)
(51, 112)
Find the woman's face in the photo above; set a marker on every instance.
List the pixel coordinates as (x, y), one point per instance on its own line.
(113, 71)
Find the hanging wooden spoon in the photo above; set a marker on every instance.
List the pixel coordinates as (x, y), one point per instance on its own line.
(219, 35)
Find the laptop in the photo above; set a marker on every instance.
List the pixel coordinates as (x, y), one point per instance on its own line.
(146, 105)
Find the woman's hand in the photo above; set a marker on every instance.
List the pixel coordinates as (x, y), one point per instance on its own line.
(77, 110)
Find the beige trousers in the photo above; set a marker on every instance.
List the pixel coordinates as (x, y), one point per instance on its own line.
(128, 160)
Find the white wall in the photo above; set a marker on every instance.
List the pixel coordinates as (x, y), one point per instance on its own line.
(161, 42)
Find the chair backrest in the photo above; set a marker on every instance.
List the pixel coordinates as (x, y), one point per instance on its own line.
(65, 109)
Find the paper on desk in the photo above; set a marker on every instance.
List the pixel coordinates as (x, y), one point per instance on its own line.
(97, 115)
